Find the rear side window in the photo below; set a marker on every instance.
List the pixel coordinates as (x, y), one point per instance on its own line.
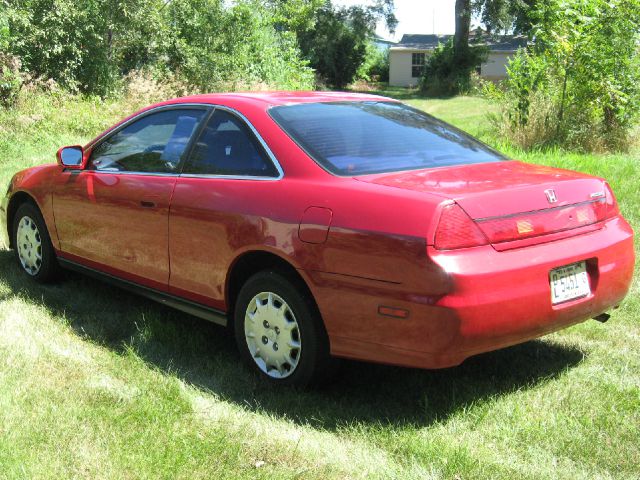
(227, 146)
(357, 138)
(153, 144)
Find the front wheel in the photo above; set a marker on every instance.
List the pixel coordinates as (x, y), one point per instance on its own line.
(32, 244)
(279, 331)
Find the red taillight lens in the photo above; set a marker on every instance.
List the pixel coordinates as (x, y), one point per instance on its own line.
(457, 230)
(543, 222)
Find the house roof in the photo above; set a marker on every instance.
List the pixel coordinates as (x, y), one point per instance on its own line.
(504, 43)
(379, 39)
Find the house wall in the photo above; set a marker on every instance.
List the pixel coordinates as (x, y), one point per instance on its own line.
(495, 67)
(400, 67)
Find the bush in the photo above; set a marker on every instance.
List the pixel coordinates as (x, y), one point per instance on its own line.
(337, 45)
(216, 49)
(531, 125)
(375, 67)
(146, 86)
(579, 86)
(85, 46)
(446, 75)
(89, 47)
(10, 79)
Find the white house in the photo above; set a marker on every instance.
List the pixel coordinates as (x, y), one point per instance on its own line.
(407, 58)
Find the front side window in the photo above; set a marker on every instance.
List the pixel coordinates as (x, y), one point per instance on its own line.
(357, 138)
(153, 144)
(417, 64)
(227, 146)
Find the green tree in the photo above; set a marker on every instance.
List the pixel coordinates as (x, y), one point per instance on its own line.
(586, 65)
(86, 46)
(216, 48)
(506, 15)
(375, 65)
(337, 44)
(294, 15)
(333, 39)
(497, 16)
(90, 46)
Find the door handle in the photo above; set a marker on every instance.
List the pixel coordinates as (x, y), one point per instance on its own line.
(147, 204)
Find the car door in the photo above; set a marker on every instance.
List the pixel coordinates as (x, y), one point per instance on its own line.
(219, 207)
(113, 215)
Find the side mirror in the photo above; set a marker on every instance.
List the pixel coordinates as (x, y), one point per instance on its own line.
(71, 157)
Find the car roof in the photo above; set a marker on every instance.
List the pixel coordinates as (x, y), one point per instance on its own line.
(268, 99)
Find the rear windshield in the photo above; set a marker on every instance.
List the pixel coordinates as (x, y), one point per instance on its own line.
(357, 138)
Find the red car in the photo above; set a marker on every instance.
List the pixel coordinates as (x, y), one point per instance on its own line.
(325, 225)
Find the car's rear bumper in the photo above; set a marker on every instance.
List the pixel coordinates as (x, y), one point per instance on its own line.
(496, 299)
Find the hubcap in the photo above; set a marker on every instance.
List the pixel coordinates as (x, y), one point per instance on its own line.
(272, 334)
(29, 245)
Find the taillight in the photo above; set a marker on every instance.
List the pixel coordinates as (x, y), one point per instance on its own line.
(543, 222)
(457, 230)
(612, 205)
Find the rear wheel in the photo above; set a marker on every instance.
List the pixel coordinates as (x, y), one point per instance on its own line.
(32, 244)
(279, 331)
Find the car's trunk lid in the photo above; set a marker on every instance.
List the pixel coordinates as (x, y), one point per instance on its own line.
(511, 200)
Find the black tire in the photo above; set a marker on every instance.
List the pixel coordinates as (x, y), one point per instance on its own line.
(48, 268)
(314, 363)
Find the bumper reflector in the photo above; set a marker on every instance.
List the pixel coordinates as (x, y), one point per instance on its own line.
(394, 312)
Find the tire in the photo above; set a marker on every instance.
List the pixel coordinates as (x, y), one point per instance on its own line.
(279, 331)
(32, 244)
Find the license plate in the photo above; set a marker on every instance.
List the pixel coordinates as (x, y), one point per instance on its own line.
(569, 282)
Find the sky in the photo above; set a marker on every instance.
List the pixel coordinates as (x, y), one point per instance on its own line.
(416, 16)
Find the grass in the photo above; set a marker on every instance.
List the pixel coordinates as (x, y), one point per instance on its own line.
(98, 383)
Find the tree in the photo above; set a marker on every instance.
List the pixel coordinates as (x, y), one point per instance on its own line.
(337, 45)
(87, 47)
(91, 46)
(506, 15)
(451, 71)
(214, 47)
(579, 85)
(463, 23)
(333, 39)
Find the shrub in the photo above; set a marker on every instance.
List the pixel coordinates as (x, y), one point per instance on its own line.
(375, 67)
(10, 79)
(85, 46)
(337, 45)
(579, 86)
(446, 75)
(91, 46)
(530, 125)
(217, 49)
(145, 86)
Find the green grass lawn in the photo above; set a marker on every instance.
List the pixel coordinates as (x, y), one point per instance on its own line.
(98, 383)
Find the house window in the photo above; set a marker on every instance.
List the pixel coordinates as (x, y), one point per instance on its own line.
(417, 64)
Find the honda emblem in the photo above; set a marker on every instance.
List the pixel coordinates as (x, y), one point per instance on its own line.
(551, 195)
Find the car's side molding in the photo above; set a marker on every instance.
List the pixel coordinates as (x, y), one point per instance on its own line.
(186, 306)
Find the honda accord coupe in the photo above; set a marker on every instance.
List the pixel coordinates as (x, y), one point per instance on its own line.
(324, 225)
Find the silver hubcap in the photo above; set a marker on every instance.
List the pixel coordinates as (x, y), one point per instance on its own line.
(272, 334)
(29, 246)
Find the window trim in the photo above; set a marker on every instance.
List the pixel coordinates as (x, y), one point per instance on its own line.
(210, 107)
(178, 106)
(421, 65)
(263, 144)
